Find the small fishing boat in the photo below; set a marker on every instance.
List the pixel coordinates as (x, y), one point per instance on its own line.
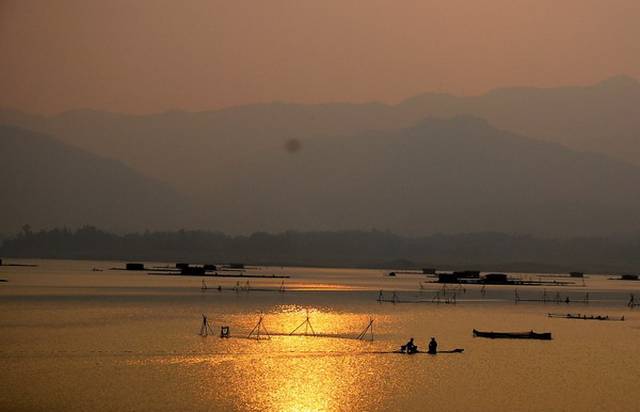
(457, 350)
(584, 317)
(512, 335)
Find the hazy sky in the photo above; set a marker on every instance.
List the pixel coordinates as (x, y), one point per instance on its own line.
(150, 55)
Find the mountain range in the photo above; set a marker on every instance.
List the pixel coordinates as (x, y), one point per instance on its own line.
(432, 163)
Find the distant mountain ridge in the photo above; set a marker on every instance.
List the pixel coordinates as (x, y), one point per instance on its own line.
(603, 118)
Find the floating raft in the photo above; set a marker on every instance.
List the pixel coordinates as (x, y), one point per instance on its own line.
(222, 275)
(22, 265)
(512, 335)
(438, 302)
(583, 317)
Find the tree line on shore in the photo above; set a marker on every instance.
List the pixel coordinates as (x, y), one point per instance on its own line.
(374, 248)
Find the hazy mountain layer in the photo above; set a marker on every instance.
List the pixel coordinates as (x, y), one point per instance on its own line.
(460, 175)
(603, 118)
(46, 183)
(455, 175)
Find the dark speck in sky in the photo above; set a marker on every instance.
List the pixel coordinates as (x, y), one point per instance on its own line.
(293, 145)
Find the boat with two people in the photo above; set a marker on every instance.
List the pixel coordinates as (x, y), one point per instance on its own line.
(410, 348)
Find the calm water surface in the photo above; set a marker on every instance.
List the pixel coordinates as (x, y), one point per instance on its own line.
(75, 339)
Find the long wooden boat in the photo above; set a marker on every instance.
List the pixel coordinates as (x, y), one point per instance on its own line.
(512, 335)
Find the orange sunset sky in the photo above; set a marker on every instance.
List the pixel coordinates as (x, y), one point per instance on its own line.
(150, 55)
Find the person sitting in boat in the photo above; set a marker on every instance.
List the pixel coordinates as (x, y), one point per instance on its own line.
(409, 347)
(433, 346)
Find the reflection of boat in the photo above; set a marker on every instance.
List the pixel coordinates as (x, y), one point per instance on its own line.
(512, 335)
(583, 317)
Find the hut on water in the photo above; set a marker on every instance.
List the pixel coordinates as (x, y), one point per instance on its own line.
(496, 278)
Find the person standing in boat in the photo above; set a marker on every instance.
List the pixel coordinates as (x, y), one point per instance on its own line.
(433, 346)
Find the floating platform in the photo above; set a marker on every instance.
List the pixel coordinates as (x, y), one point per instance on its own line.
(221, 275)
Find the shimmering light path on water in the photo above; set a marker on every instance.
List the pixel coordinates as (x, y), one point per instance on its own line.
(73, 339)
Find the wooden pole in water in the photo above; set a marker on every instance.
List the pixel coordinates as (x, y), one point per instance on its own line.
(265, 329)
(205, 329)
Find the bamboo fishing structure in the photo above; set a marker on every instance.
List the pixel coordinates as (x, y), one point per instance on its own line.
(258, 329)
(557, 299)
(368, 329)
(206, 328)
(307, 325)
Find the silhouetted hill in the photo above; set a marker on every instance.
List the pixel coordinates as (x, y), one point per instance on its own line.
(47, 183)
(440, 176)
(455, 175)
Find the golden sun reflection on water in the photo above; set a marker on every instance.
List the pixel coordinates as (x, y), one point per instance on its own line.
(303, 373)
(305, 384)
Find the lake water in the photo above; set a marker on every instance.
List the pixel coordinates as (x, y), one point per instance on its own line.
(76, 339)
